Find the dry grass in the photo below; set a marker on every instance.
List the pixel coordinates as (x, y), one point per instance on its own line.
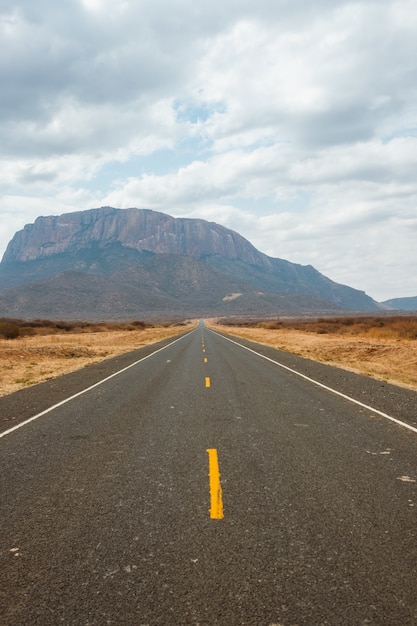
(30, 359)
(383, 348)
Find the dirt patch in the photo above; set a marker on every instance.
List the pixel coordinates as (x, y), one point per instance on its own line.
(375, 352)
(29, 360)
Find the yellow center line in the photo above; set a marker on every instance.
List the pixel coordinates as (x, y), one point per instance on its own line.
(207, 381)
(216, 498)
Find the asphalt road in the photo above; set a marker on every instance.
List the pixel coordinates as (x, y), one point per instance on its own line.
(207, 485)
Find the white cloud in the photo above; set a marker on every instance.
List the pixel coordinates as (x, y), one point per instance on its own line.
(294, 123)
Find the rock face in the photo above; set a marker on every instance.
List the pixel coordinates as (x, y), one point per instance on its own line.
(140, 229)
(127, 263)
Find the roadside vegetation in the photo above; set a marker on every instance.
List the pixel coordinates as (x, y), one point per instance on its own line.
(32, 351)
(11, 328)
(383, 347)
(392, 327)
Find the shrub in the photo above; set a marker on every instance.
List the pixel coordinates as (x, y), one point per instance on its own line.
(139, 324)
(8, 330)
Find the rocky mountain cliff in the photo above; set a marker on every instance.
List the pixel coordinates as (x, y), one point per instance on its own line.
(139, 229)
(123, 263)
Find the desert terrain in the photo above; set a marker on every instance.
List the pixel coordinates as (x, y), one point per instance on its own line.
(381, 347)
(32, 352)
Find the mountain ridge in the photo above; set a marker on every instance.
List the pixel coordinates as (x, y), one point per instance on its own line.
(139, 229)
(116, 263)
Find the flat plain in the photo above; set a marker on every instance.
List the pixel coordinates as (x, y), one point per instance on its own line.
(54, 349)
(384, 348)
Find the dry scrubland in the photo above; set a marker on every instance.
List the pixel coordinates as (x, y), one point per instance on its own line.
(32, 352)
(382, 347)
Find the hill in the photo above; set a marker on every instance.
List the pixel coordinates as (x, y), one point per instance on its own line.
(401, 304)
(112, 263)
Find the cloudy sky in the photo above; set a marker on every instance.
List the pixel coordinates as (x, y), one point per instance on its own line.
(291, 121)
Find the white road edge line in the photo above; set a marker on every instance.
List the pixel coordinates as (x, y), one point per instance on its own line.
(80, 393)
(316, 382)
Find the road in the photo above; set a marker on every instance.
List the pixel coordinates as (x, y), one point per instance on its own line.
(206, 484)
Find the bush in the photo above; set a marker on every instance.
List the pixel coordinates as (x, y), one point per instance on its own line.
(139, 324)
(8, 330)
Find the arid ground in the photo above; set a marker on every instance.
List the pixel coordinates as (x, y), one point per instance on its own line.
(50, 350)
(381, 347)
(384, 348)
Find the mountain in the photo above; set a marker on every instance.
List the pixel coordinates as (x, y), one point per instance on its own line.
(133, 228)
(401, 304)
(122, 263)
